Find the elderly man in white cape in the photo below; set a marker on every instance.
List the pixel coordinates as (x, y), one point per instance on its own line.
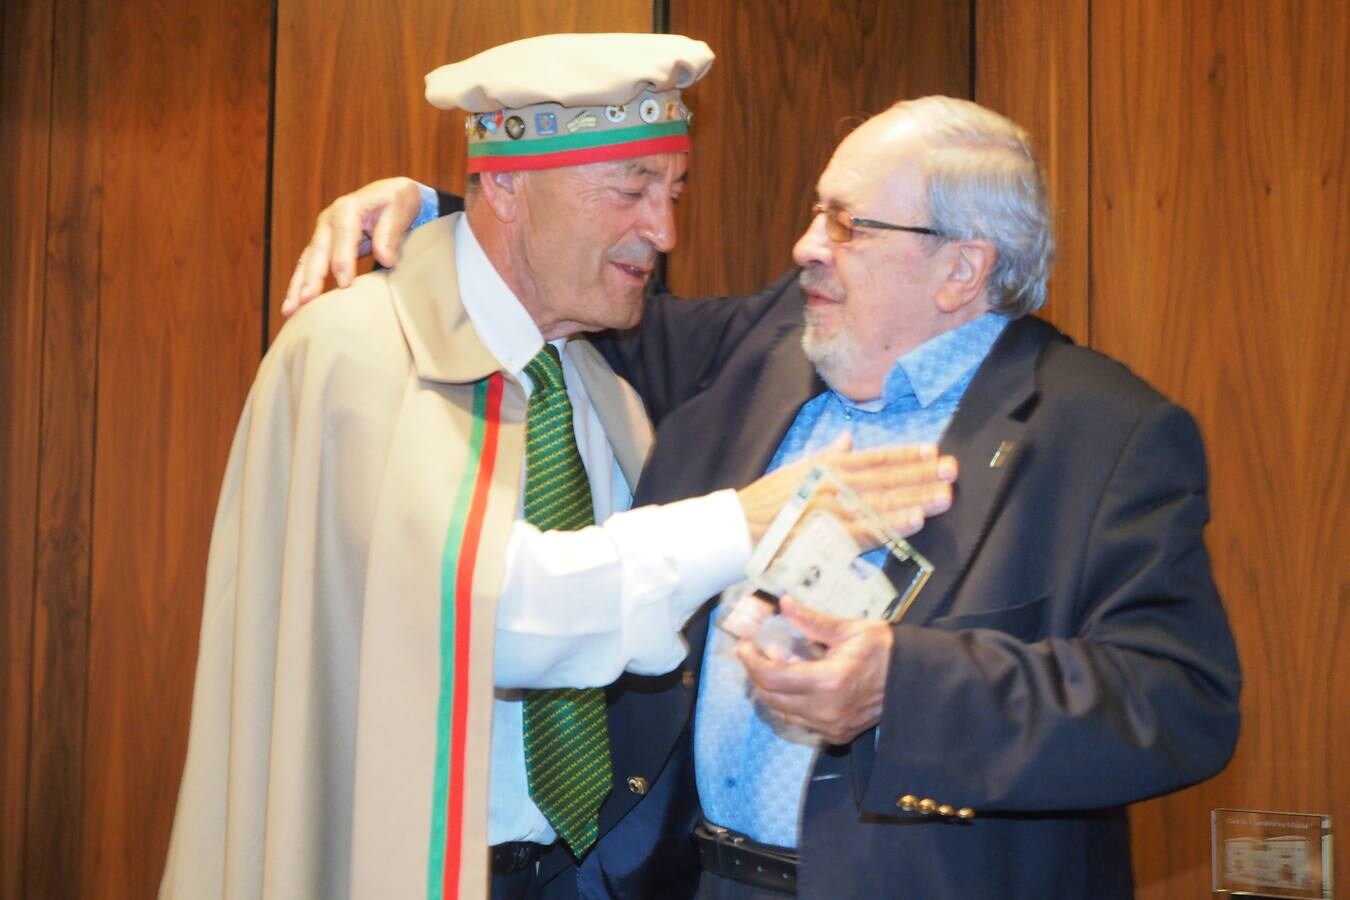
(383, 591)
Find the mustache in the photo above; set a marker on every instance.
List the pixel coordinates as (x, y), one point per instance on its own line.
(815, 278)
(640, 255)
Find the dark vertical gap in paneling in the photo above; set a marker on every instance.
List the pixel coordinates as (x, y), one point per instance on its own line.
(80, 807)
(42, 413)
(265, 337)
(972, 50)
(85, 652)
(661, 25)
(1088, 338)
(17, 873)
(70, 271)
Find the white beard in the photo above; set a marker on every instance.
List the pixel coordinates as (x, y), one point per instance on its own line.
(835, 357)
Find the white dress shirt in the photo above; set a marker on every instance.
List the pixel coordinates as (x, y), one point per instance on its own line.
(577, 608)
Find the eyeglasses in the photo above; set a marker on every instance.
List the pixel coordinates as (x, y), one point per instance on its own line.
(839, 224)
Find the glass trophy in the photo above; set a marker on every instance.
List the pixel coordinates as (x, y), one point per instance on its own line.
(830, 552)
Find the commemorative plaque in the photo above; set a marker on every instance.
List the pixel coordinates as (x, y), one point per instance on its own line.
(1271, 854)
(830, 552)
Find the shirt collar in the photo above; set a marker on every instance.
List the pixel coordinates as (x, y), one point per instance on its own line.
(932, 368)
(503, 325)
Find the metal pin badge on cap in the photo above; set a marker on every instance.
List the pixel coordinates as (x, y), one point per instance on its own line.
(573, 95)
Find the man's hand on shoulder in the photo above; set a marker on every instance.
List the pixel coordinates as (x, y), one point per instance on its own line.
(372, 219)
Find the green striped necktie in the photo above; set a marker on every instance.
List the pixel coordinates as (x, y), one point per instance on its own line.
(566, 734)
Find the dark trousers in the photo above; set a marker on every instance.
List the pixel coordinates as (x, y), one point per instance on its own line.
(712, 886)
(521, 884)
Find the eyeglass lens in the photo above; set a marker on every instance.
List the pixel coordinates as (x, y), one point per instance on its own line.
(838, 223)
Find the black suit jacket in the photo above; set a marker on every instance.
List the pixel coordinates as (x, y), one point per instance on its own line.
(1070, 654)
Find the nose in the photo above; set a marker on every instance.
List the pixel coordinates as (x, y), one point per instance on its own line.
(658, 227)
(814, 245)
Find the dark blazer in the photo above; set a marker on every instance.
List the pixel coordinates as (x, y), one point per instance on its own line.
(1070, 654)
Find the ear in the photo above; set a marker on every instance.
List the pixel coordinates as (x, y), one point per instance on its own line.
(502, 193)
(971, 264)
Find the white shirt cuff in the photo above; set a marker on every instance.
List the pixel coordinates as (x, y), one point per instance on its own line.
(580, 607)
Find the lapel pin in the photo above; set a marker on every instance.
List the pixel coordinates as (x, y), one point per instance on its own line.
(1005, 449)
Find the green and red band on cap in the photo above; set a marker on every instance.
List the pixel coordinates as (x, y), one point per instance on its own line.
(550, 135)
(580, 149)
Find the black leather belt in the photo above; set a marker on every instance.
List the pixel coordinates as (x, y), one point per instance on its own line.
(513, 856)
(735, 856)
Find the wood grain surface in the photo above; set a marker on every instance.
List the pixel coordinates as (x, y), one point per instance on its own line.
(792, 77)
(1219, 225)
(66, 459)
(1198, 162)
(1031, 64)
(184, 145)
(349, 96)
(25, 145)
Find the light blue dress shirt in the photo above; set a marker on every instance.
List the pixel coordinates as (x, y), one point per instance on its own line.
(751, 777)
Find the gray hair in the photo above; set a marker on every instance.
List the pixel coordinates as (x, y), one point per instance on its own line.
(983, 182)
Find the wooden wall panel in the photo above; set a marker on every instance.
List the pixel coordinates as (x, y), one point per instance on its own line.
(792, 77)
(1031, 64)
(25, 128)
(66, 461)
(1199, 175)
(184, 146)
(349, 96)
(1219, 227)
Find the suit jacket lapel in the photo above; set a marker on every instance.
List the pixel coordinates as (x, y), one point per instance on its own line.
(786, 381)
(987, 437)
(618, 407)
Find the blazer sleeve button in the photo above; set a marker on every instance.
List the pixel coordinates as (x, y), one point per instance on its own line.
(908, 803)
(965, 813)
(927, 806)
(946, 809)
